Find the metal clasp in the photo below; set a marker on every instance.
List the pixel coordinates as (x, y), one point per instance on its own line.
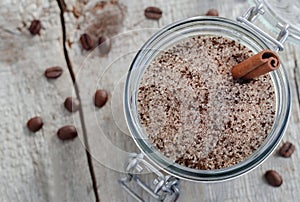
(162, 187)
(252, 14)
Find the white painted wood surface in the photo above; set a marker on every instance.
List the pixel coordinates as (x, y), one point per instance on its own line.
(36, 166)
(39, 167)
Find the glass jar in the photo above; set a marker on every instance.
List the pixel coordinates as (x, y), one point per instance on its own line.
(217, 26)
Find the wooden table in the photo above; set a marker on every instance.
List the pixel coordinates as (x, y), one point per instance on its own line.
(39, 166)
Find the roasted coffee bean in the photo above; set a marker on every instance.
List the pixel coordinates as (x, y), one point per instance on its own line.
(287, 149)
(104, 45)
(72, 104)
(153, 13)
(34, 124)
(67, 132)
(87, 42)
(53, 72)
(35, 27)
(273, 178)
(212, 12)
(100, 98)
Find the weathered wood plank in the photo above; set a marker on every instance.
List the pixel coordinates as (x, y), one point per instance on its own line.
(105, 72)
(36, 166)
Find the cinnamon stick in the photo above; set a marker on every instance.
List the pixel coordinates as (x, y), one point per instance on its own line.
(257, 65)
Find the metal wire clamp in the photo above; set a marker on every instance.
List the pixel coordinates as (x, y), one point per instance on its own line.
(163, 186)
(252, 14)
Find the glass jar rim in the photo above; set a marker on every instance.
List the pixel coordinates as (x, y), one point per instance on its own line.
(222, 26)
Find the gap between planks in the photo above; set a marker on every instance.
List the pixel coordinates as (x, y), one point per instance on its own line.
(62, 6)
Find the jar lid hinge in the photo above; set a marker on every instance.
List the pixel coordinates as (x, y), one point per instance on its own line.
(164, 185)
(252, 14)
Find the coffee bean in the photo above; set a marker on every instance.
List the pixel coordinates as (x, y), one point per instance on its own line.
(67, 132)
(153, 13)
(72, 104)
(287, 149)
(273, 178)
(35, 27)
(104, 45)
(34, 124)
(53, 72)
(87, 42)
(100, 98)
(212, 12)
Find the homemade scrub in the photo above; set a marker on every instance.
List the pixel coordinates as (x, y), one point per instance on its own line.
(195, 113)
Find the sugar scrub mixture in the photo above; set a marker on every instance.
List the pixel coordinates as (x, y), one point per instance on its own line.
(195, 113)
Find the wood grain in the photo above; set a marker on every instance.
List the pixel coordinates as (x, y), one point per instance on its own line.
(36, 166)
(96, 69)
(39, 167)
